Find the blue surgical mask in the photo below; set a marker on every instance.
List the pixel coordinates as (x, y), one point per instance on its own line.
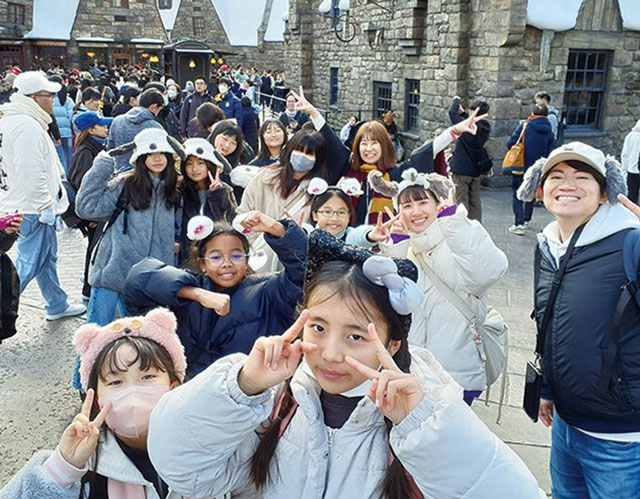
(300, 163)
(190, 88)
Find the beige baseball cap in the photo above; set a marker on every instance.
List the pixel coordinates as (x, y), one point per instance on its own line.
(577, 151)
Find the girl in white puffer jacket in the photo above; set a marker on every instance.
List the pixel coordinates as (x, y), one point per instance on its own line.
(461, 253)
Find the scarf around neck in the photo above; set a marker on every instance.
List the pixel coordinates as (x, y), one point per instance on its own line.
(21, 104)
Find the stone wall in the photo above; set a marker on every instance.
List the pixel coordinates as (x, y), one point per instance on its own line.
(11, 30)
(470, 48)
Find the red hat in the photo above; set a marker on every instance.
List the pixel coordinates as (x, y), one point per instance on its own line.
(224, 67)
(16, 70)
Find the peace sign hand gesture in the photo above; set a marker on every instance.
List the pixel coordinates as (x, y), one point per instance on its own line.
(381, 231)
(470, 124)
(274, 359)
(394, 392)
(214, 183)
(302, 104)
(80, 438)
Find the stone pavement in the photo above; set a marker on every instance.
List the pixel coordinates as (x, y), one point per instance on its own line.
(35, 366)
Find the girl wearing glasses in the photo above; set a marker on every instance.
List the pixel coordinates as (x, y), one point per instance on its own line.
(221, 305)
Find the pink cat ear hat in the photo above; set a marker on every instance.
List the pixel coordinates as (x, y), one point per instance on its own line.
(158, 325)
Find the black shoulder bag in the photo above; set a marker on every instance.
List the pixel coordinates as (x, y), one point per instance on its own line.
(122, 205)
(534, 374)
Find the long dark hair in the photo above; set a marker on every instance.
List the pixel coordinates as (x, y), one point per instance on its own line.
(309, 142)
(347, 281)
(230, 129)
(150, 354)
(62, 94)
(140, 189)
(264, 153)
(190, 188)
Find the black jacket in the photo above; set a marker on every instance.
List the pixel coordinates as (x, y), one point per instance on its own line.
(82, 160)
(583, 316)
(469, 152)
(167, 118)
(189, 107)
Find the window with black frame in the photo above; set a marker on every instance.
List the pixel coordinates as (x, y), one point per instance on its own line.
(381, 98)
(412, 105)
(585, 87)
(16, 13)
(333, 96)
(199, 29)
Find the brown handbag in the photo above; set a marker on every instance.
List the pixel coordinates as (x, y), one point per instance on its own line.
(513, 161)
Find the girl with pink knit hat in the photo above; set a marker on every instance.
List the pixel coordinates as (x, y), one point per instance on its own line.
(125, 368)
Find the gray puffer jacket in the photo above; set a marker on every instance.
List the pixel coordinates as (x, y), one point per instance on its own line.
(150, 233)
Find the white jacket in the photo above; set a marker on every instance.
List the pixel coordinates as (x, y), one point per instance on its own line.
(462, 254)
(29, 168)
(631, 150)
(203, 435)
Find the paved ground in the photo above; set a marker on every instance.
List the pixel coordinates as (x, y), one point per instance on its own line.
(37, 401)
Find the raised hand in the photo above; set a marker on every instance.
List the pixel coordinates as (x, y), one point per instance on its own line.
(629, 205)
(302, 104)
(470, 124)
(219, 302)
(80, 438)
(394, 392)
(214, 183)
(274, 359)
(256, 221)
(298, 220)
(382, 231)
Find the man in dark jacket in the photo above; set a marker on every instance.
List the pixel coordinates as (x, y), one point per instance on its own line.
(228, 102)
(538, 141)
(126, 126)
(470, 160)
(188, 127)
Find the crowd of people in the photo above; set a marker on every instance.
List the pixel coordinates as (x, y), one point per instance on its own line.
(275, 309)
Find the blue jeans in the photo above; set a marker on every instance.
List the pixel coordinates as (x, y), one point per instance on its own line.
(103, 304)
(38, 257)
(521, 210)
(585, 467)
(65, 151)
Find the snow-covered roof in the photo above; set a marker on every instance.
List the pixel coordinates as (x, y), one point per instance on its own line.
(240, 20)
(100, 39)
(562, 16)
(53, 20)
(168, 16)
(275, 29)
(147, 40)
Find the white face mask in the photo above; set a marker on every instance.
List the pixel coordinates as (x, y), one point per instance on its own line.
(223, 89)
(172, 94)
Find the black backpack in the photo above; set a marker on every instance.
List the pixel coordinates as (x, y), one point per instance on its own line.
(9, 297)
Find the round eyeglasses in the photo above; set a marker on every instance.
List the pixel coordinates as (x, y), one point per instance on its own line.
(330, 213)
(216, 259)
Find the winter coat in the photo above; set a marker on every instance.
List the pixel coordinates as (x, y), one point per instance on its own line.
(582, 319)
(462, 254)
(250, 125)
(120, 108)
(30, 167)
(63, 115)
(123, 130)
(232, 107)
(263, 162)
(82, 160)
(631, 150)
(203, 434)
(261, 305)
(189, 107)
(150, 232)
(176, 106)
(538, 139)
(300, 117)
(469, 154)
(169, 122)
(37, 479)
(219, 205)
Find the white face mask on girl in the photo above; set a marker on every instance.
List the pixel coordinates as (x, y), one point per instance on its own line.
(223, 89)
(301, 163)
(129, 416)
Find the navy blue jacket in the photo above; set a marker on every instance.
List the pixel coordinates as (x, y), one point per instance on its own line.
(579, 329)
(190, 105)
(250, 125)
(232, 107)
(261, 305)
(538, 139)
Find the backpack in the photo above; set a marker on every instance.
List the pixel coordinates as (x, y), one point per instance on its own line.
(69, 217)
(122, 205)
(9, 297)
(513, 161)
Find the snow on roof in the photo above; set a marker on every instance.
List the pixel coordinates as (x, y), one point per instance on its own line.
(94, 39)
(169, 15)
(147, 40)
(562, 16)
(240, 20)
(275, 29)
(53, 20)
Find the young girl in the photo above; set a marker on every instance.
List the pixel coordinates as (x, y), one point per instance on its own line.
(223, 307)
(126, 367)
(145, 201)
(360, 416)
(202, 191)
(461, 253)
(273, 137)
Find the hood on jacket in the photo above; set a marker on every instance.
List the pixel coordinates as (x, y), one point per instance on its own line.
(539, 125)
(139, 115)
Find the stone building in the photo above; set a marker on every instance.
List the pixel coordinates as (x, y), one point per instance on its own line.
(414, 56)
(18, 16)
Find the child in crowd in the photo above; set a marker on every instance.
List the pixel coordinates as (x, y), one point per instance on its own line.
(273, 137)
(222, 307)
(141, 208)
(338, 406)
(461, 253)
(202, 191)
(125, 368)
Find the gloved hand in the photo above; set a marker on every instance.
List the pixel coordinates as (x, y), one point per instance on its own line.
(47, 217)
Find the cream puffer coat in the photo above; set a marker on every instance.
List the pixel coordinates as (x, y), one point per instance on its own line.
(203, 434)
(462, 254)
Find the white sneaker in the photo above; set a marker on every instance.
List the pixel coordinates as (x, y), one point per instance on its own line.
(526, 225)
(517, 230)
(70, 311)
